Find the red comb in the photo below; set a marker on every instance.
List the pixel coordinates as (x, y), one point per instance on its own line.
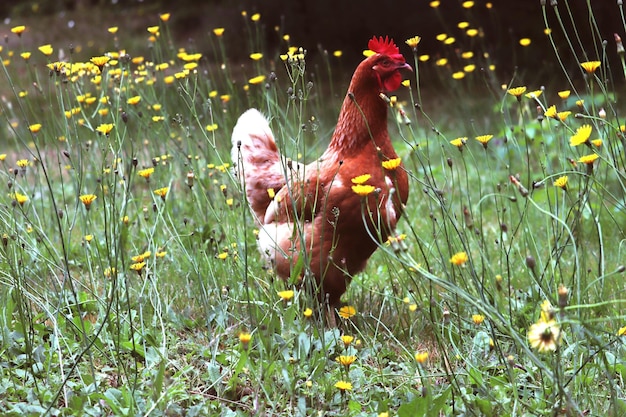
(383, 46)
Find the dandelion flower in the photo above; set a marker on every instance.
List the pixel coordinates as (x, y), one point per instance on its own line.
(459, 142)
(113, 29)
(307, 312)
(343, 386)
(588, 159)
(551, 112)
(146, 173)
(516, 91)
(162, 192)
(484, 139)
(561, 182)
(257, 80)
(363, 189)
(19, 198)
(544, 336)
(164, 17)
(459, 258)
(18, 30)
(100, 61)
(534, 94)
(35, 127)
(346, 360)
(245, 338)
(138, 267)
(622, 331)
(105, 128)
(581, 136)
(347, 312)
(562, 115)
(421, 357)
(564, 94)
(153, 30)
(218, 32)
(255, 17)
(478, 319)
(525, 41)
(347, 340)
(590, 66)
(87, 200)
(337, 54)
(46, 49)
(413, 42)
(133, 100)
(361, 179)
(256, 56)
(392, 164)
(286, 295)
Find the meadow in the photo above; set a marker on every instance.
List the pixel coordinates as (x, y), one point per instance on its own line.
(130, 281)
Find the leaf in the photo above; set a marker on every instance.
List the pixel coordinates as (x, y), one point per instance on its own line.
(158, 382)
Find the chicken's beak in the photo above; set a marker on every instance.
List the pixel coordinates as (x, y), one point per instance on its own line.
(405, 66)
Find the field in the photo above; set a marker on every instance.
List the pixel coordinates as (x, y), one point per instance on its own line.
(130, 280)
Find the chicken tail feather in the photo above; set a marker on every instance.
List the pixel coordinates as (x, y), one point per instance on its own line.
(257, 161)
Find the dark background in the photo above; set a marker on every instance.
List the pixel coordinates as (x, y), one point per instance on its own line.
(347, 25)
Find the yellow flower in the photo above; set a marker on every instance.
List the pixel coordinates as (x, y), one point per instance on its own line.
(392, 164)
(484, 139)
(564, 94)
(434, 4)
(459, 258)
(346, 312)
(256, 56)
(621, 331)
(581, 136)
(534, 94)
(88, 238)
(35, 127)
(105, 128)
(153, 30)
(361, 179)
(211, 127)
(145, 173)
(87, 200)
(562, 115)
(18, 30)
(597, 142)
(257, 80)
(164, 17)
(343, 386)
(580, 103)
(307, 312)
(133, 100)
(100, 61)
(347, 340)
(25, 55)
(561, 182)
(222, 255)
(255, 17)
(345, 360)
(588, 159)
(459, 142)
(551, 112)
(421, 357)
(113, 29)
(218, 32)
(590, 66)
(337, 54)
(524, 41)
(468, 4)
(363, 189)
(472, 32)
(478, 319)
(46, 49)
(413, 42)
(544, 335)
(161, 192)
(406, 83)
(458, 75)
(138, 266)
(245, 338)
(3, 156)
(286, 295)
(19, 198)
(516, 91)
(22, 163)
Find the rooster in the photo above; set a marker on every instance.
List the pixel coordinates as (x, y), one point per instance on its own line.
(326, 219)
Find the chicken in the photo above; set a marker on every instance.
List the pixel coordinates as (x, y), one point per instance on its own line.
(314, 219)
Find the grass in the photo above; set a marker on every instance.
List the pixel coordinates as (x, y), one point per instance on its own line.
(131, 284)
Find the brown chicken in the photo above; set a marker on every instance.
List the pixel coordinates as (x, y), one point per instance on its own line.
(326, 219)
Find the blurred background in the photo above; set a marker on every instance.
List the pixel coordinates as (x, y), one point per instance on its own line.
(331, 25)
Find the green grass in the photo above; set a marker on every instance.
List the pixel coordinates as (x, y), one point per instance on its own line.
(141, 305)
